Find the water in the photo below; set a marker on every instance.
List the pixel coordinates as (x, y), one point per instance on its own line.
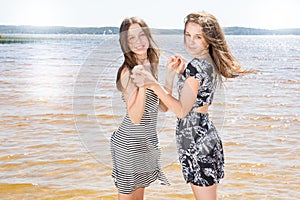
(59, 105)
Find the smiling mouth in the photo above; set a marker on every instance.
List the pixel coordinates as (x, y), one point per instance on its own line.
(192, 48)
(140, 47)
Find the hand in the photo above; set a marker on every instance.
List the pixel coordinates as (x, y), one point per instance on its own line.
(176, 64)
(142, 77)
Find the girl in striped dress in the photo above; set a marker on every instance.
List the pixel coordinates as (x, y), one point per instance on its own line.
(134, 146)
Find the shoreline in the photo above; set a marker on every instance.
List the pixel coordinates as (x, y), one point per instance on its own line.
(110, 30)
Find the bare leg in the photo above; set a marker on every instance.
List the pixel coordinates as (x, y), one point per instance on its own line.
(126, 196)
(137, 194)
(205, 193)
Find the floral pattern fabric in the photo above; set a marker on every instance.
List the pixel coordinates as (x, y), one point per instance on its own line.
(199, 145)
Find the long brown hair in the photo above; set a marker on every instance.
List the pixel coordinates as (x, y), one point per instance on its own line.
(130, 59)
(227, 64)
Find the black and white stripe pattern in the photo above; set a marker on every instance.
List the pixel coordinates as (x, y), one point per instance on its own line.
(135, 151)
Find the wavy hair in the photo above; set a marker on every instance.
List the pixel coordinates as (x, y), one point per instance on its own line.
(227, 64)
(130, 59)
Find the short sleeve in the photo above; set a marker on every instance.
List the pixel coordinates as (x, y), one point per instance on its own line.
(202, 71)
(195, 69)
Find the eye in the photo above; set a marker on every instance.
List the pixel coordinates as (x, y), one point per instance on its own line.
(198, 36)
(131, 38)
(142, 35)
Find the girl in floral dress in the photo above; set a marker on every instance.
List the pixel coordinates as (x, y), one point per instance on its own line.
(199, 145)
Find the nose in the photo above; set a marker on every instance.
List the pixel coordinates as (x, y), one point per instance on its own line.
(135, 40)
(138, 40)
(190, 40)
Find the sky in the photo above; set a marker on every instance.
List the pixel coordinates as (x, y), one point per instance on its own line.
(267, 14)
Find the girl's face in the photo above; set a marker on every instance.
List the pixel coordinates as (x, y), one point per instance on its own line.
(137, 40)
(194, 40)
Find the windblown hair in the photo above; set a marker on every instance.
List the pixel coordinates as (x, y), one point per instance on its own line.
(227, 64)
(130, 59)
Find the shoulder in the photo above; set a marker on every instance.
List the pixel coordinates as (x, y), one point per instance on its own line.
(124, 70)
(199, 64)
(124, 74)
(199, 69)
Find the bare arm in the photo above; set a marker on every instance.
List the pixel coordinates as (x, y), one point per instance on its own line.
(134, 97)
(168, 87)
(182, 106)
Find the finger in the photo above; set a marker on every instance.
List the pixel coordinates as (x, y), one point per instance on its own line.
(182, 59)
(139, 85)
(172, 59)
(135, 78)
(138, 67)
(181, 67)
(137, 73)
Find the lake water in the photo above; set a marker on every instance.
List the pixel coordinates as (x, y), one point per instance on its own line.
(59, 106)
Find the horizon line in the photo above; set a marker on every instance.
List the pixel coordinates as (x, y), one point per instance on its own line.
(150, 28)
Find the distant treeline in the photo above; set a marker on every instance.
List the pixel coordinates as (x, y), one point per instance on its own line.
(8, 29)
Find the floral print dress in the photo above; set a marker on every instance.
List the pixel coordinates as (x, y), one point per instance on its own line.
(199, 145)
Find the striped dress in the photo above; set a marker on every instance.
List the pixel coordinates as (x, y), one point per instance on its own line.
(135, 151)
